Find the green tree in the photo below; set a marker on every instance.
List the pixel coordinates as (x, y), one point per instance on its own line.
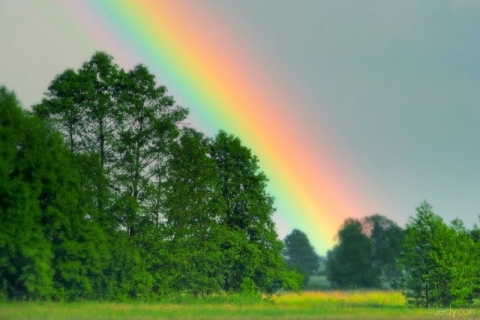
(387, 240)
(300, 254)
(439, 261)
(193, 210)
(49, 246)
(136, 178)
(120, 125)
(475, 233)
(25, 264)
(147, 125)
(127, 122)
(252, 252)
(82, 106)
(475, 236)
(459, 260)
(349, 263)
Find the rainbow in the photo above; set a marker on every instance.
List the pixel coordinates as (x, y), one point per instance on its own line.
(218, 75)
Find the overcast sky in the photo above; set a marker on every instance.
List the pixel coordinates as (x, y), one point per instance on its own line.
(397, 83)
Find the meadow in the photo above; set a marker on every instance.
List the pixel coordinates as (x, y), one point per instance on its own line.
(306, 305)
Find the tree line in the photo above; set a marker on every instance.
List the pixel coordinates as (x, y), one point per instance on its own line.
(106, 193)
(433, 263)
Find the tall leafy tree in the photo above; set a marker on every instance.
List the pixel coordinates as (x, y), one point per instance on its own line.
(462, 272)
(349, 263)
(127, 122)
(121, 125)
(25, 264)
(177, 213)
(439, 261)
(475, 236)
(54, 250)
(300, 255)
(82, 105)
(147, 126)
(253, 254)
(193, 211)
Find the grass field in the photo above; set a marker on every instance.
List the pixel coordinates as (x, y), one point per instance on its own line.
(308, 305)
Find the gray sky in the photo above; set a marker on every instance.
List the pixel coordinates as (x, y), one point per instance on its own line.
(397, 83)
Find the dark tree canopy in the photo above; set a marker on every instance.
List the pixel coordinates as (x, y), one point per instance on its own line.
(367, 253)
(349, 262)
(387, 241)
(300, 255)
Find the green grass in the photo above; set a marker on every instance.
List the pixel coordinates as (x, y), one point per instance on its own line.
(308, 305)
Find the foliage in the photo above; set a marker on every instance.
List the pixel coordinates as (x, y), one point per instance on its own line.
(25, 264)
(475, 235)
(387, 240)
(128, 205)
(103, 195)
(120, 125)
(300, 255)
(146, 126)
(366, 253)
(127, 122)
(49, 249)
(349, 263)
(440, 261)
(193, 210)
(252, 251)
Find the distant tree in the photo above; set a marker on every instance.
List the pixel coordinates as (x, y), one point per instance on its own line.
(440, 262)
(300, 255)
(349, 263)
(252, 251)
(475, 233)
(387, 240)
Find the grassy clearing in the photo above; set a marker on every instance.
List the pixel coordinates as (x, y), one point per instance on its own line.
(308, 305)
